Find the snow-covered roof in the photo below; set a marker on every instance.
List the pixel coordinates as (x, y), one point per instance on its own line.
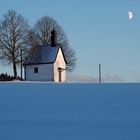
(42, 55)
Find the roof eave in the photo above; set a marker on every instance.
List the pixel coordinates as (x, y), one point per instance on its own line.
(38, 63)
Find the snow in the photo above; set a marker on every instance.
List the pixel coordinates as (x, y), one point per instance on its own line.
(58, 111)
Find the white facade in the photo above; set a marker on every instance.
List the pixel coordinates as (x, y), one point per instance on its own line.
(59, 63)
(44, 72)
(47, 72)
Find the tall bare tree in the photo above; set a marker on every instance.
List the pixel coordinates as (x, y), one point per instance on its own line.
(13, 37)
(40, 34)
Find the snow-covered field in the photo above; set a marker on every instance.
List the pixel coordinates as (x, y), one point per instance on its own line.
(48, 111)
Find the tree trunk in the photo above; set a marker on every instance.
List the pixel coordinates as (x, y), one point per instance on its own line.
(15, 70)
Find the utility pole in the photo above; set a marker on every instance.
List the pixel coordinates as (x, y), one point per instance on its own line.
(100, 75)
(21, 63)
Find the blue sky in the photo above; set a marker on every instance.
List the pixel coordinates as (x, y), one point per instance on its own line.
(99, 31)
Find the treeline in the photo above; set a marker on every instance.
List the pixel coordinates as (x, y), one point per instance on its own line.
(6, 77)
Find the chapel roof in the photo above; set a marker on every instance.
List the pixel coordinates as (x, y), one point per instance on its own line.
(43, 54)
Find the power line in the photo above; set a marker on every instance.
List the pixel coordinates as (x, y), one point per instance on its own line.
(121, 69)
(109, 67)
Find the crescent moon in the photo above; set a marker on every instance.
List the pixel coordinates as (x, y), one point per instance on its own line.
(130, 15)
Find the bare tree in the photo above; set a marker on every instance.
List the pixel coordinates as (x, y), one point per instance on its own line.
(40, 34)
(13, 37)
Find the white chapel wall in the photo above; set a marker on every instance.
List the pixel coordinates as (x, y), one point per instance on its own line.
(60, 62)
(45, 72)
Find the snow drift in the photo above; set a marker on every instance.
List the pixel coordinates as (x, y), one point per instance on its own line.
(48, 111)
